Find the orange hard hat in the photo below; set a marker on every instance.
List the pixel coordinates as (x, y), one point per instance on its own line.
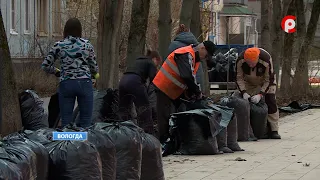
(251, 54)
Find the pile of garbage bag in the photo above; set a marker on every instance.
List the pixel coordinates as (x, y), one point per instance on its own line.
(138, 154)
(21, 158)
(242, 113)
(117, 150)
(33, 114)
(105, 147)
(221, 64)
(195, 131)
(69, 159)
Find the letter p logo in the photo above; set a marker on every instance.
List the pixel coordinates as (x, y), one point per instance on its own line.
(288, 24)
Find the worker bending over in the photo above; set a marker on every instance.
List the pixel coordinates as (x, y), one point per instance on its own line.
(256, 79)
(177, 76)
(133, 89)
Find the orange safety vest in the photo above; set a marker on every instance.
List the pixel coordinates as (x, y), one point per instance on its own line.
(168, 78)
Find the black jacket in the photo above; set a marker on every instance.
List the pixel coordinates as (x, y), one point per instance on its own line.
(144, 67)
(184, 63)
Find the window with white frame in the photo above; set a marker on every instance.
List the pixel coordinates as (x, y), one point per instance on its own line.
(56, 17)
(13, 16)
(27, 15)
(42, 18)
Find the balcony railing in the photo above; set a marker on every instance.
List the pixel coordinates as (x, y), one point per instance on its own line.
(240, 2)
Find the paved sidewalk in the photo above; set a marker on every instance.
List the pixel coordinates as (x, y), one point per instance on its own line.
(295, 156)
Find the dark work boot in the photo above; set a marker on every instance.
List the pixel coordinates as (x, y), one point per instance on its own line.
(275, 135)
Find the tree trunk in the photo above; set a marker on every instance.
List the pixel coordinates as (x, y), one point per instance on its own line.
(285, 88)
(138, 30)
(301, 84)
(110, 18)
(10, 120)
(196, 29)
(265, 25)
(164, 25)
(186, 12)
(277, 39)
(285, 6)
(195, 23)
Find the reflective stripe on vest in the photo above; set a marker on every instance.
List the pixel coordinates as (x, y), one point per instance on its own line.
(168, 79)
(176, 82)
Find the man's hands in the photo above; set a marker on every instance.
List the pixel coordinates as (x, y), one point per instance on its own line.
(256, 98)
(200, 96)
(246, 96)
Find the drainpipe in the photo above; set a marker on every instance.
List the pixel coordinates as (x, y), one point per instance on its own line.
(245, 31)
(256, 32)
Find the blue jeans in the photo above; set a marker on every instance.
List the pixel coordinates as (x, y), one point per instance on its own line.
(69, 90)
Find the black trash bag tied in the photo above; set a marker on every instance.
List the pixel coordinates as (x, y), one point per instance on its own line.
(151, 165)
(74, 160)
(127, 139)
(42, 155)
(105, 146)
(258, 118)
(18, 156)
(197, 131)
(69, 159)
(33, 114)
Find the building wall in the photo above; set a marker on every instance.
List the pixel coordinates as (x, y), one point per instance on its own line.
(29, 43)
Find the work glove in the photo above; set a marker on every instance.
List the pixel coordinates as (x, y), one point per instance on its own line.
(246, 96)
(256, 98)
(57, 72)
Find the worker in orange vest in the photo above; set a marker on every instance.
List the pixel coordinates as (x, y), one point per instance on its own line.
(176, 79)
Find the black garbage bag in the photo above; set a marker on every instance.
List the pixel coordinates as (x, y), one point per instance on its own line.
(111, 105)
(43, 136)
(242, 112)
(232, 135)
(98, 102)
(33, 114)
(295, 107)
(172, 143)
(20, 155)
(54, 111)
(69, 159)
(106, 148)
(8, 169)
(226, 112)
(151, 166)
(258, 118)
(42, 155)
(127, 139)
(74, 160)
(197, 131)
